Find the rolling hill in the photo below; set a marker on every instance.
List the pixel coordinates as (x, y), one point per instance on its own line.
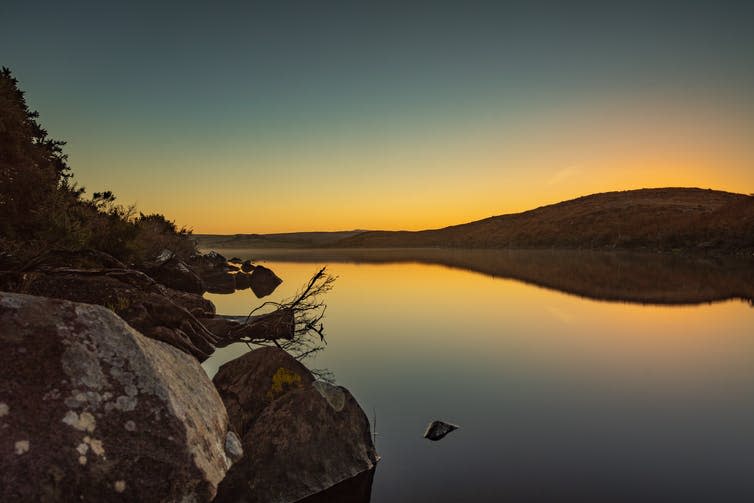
(652, 219)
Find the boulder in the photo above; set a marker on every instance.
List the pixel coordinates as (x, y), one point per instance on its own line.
(235, 260)
(193, 303)
(174, 273)
(219, 281)
(91, 410)
(243, 280)
(134, 296)
(300, 436)
(247, 266)
(251, 382)
(263, 281)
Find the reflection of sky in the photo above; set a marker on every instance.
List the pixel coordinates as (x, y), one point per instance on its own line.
(551, 390)
(275, 116)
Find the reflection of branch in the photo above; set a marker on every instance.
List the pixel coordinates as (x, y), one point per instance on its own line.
(308, 310)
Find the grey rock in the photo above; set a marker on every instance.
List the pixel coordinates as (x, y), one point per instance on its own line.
(91, 410)
(437, 430)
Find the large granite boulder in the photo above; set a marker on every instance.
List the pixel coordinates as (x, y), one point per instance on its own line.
(251, 382)
(263, 281)
(91, 410)
(300, 436)
(138, 299)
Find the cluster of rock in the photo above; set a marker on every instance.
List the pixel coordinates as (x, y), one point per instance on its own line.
(102, 396)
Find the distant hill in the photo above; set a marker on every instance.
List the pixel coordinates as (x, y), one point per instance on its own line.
(644, 219)
(280, 240)
(651, 219)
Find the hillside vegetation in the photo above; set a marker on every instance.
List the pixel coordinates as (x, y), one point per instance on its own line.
(648, 219)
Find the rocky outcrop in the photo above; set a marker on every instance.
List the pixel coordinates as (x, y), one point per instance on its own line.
(90, 410)
(300, 436)
(263, 281)
(143, 303)
(174, 273)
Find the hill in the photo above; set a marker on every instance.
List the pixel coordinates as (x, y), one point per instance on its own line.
(279, 240)
(648, 219)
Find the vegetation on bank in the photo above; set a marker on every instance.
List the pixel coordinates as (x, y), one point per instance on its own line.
(42, 208)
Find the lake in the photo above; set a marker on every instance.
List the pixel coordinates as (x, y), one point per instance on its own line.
(572, 376)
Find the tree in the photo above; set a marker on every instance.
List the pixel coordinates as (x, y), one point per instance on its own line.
(33, 168)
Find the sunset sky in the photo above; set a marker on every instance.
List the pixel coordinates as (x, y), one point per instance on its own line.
(233, 117)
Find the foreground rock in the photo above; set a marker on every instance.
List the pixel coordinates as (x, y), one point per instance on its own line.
(300, 436)
(144, 304)
(436, 430)
(263, 281)
(90, 410)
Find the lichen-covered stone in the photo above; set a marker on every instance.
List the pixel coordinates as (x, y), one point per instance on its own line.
(91, 410)
(300, 436)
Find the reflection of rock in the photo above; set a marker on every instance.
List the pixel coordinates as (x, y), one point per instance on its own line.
(90, 410)
(300, 437)
(143, 303)
(247, 266)
(263, 281)
(436, 430)
(357, 489)
(243, 281)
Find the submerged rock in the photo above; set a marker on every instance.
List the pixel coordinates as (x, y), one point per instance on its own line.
(91, 410)
(264, 281)
(300, 436)
(437, 430)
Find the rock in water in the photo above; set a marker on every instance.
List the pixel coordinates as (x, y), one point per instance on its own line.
(91, 410)
(263, 281)
(437, 430)
(242, 280)
(247, 266)
(300, 436)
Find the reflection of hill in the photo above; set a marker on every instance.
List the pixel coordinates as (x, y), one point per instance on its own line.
(613, 276)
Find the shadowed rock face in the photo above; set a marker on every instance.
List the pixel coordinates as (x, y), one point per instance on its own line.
(90, 410)
(144, 304)
(176, 274)
(300, 437)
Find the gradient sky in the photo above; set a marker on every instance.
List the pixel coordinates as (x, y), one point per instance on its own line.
(314, 115)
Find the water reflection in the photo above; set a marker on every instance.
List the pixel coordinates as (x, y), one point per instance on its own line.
(560, 397)
(647, 278)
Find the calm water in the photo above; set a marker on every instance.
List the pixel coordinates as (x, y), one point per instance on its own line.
(558, 396)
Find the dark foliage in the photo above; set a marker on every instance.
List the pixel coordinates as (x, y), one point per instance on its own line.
(41, 209)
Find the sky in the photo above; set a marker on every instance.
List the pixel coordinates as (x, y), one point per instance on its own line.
(246, 117)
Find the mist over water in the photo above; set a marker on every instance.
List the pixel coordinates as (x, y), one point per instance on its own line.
(558, 396)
